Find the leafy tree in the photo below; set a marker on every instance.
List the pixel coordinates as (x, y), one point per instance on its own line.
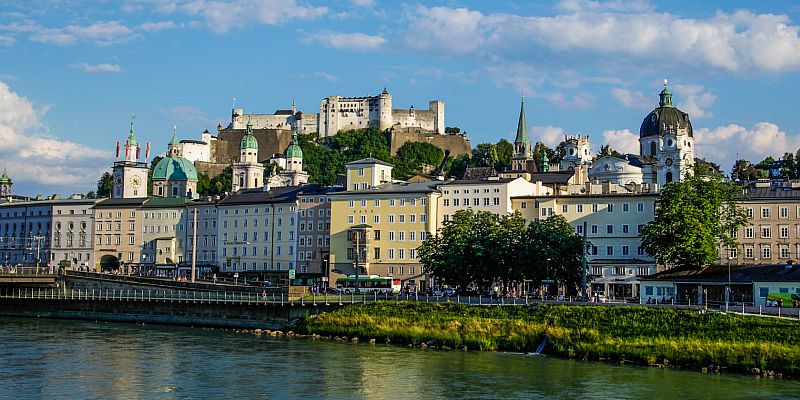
(763, 164)
(539, 149)
(457, 166)
(203, 184)
(321, 163)
(789, 169)
(504, 150)
(217, 185)
(707, 168)
(412, 156)
(484, 155)
(362, 143)
(452, 130)
(105, 185)
(692, 217)
(606, 150)
(553, 239)
(91, 195)
(743, 171)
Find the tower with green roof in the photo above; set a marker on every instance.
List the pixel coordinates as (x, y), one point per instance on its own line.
(248, 173)
(174, 176)
(522, 143)
(294, 174)
(130, 174)
(5, 184)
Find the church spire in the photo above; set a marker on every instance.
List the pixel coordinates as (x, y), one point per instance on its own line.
(522, 144)
(665, 97)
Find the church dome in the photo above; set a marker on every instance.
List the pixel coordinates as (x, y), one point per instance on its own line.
(175, 168)
(248, 140)
(666, 118)
(294, 149)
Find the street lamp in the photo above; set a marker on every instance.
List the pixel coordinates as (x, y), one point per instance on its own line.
(728, 290)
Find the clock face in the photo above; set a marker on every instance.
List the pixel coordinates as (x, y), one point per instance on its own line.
(135, 181)
(119, 180)
(668, 162)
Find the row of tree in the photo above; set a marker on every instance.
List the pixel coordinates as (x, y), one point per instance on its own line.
(477, 250)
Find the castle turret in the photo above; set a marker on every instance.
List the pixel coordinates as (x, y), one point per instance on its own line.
(385, 104)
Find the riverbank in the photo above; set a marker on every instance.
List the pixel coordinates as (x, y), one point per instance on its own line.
(644, 335)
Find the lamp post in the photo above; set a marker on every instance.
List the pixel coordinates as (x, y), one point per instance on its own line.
(357, 268)
(728, 289)
(547, 281)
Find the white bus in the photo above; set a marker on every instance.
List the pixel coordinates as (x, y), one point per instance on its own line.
(368, 284)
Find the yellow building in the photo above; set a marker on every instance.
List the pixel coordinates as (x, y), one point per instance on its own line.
(614, 216)
(387, 221)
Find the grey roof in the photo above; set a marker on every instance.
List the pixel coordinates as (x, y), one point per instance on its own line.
(166, 202)
(402, 187)
(771, 192)
(193, 141)
(316, 190)
(258, 196)
(369, 160)
(478, 173)
(719, 273)
(562, 177)
(111, 202)
(478, 181)
(33, 203)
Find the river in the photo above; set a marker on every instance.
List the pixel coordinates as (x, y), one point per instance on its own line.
(41, 358)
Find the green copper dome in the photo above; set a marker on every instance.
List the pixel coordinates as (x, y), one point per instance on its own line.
(294, 149)
(666, 118)
(248, 140)
(175, 168)
(5, 178)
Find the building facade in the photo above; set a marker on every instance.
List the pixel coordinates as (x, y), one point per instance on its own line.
(118, 234)
(314, 241)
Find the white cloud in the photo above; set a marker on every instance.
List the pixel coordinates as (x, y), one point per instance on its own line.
(350, 41)
(622, 140)
(6, 40)
(549, 135)
(722, 144)
(32, 156)
(613, 5)
(102, 33)
(694, 100)
(221, 16)
(363, 3)
(631, 99)
(738, 42)
(157, 26)
(326, 76)
(186, 114)
(98, 68)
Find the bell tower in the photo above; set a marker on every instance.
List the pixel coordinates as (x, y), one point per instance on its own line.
(130, 175)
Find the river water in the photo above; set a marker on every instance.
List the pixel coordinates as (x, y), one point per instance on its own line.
(54, 359)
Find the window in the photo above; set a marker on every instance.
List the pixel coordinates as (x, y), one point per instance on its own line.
(749, 232)
(625, 250)
(352, 203)
(762, 292)
(594, 250)
(639, 250)
(476, 201)
(609, 229)
(455, 202)
(496, 201)
(412, 218)
(784, 232)
(363, 203)
(391, 202)
(639, 207)
(376, 234)
(748, 252)
(783, 212)
(784, 252)
(402, 218)
(350, 219)
(764, 212)
(391, 218)
(564, 208)
(625, 228)
(523, 205)
(579, 229)
(625, 207)
(734, 252)
(580, 208)
(766, 232)
(766, 252)
(609, 250)
(594, 208)
(376, 219)
(750, 212)
(610, 207)
(363, 219)
(376, 253)
(391, 254)
(594, 229)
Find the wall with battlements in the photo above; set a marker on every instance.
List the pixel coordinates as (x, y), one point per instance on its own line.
(457, 144)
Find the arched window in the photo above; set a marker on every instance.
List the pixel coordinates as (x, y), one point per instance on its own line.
(669, 176)
(652, 148)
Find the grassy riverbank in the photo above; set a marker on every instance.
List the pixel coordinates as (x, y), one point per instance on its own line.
(639, 334)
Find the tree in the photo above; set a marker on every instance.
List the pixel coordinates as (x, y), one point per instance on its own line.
(707, 169)
(362, 143)
(457, 166)
(411, 157)
(743, 171)
(504, 150)
(153, 164)
(452, 130)
(484, 155)
(606, 150)
(105, 185)
(553, 251)
(215, 186)
(540, 149)
(91, 195)
(321, 163)
(692, 218)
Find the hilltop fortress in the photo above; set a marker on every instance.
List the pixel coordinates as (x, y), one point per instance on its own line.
(212, 154)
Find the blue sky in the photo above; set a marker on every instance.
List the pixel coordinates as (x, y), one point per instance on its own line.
(72, 72)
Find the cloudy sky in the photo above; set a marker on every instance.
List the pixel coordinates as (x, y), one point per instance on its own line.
(72, 72)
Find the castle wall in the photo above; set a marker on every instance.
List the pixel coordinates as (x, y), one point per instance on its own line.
(270, 141)
(457, 144)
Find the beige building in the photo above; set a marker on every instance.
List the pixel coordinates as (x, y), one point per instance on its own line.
(614, 216)
(163, 233)
(390, 221)
(258, 231)
(206, 233)
(772, 235)
(313, 234)
(118, 234)
(491, 194)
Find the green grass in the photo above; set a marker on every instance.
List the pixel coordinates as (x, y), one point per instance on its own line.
(641, 334)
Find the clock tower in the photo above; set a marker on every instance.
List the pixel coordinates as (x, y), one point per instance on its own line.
(130, 175)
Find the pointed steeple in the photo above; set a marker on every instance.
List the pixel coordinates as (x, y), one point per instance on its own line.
(173, 148)
(131, 134)
(522, 144)
(5, 178)
(174, 140)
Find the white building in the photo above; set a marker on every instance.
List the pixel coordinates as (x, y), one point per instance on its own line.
(492, 194)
